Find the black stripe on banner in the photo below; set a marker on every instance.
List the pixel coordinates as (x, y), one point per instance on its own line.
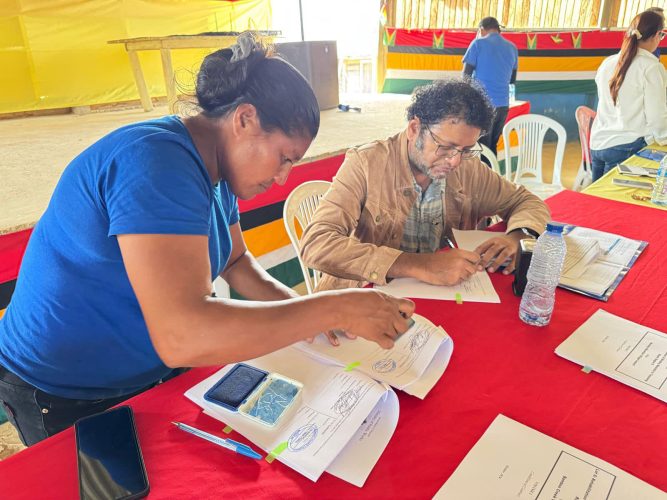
(262, 215)
(405, 49)
(6, 291)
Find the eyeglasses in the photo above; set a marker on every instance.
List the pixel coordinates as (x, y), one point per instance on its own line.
(451, 151)
(662, 35)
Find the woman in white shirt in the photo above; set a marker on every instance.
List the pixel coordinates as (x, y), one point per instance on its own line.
(632, 104)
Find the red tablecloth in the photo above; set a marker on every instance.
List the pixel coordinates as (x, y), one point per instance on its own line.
(499, 365)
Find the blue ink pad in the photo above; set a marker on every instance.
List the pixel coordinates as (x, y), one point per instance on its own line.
(272, 400)
(257, 394)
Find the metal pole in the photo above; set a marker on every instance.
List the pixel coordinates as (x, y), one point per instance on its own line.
(301, 20)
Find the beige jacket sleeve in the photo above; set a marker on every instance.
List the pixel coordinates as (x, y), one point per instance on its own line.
(329, 243)
(514, 204)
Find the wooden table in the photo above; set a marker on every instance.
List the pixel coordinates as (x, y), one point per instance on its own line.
(165, 44)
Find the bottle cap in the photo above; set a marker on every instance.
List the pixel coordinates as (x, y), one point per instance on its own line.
(554, 227)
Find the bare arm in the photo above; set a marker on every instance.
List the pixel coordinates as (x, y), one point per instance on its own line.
(468, 69)
(170, 275)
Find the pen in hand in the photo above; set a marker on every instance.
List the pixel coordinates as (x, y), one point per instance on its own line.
(230, 444)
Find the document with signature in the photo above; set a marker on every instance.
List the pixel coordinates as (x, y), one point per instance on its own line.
(415, 363)
(512, 460)
(341, 424)
(477, 288)
(625, 351)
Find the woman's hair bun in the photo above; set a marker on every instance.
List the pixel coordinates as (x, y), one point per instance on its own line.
(224, 73)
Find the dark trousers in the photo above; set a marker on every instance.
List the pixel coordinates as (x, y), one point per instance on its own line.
(490, 139)
(603, 160)
(38, 415)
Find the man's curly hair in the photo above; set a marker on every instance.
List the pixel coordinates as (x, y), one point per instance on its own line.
(452, 98)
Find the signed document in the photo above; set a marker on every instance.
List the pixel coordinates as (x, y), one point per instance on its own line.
(625, 351)
(341, 424)
(415, 363)
(512, 461)
(477, 288)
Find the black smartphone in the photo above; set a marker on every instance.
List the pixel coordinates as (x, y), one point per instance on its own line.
(109, 457)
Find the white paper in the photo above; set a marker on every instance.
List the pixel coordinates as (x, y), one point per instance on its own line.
(356, 461)
(469, 240)
(579, 255)
(333, 407)
(625, 351)
(637, 171)
(597, 277)
(477, 288)
(615, 249)
(401, 366)
(513, 461)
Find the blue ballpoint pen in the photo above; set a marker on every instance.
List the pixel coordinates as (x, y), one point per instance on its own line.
(230, 444)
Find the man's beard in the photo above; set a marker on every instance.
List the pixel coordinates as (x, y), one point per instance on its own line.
(416, 159)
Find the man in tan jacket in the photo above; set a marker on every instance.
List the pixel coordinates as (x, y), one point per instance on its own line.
(393, 203)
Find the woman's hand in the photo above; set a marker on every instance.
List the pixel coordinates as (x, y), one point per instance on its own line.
(373, 315)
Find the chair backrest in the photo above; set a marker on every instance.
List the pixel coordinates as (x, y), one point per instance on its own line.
(299, 207)
(531, 130)
(584, 116)
(491, 158)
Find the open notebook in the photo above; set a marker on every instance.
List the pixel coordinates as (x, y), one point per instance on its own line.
(348, 411)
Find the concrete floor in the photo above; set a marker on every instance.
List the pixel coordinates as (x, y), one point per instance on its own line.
(10, 443)
(37, 149)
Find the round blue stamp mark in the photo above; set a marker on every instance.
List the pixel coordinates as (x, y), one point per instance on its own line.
(303, 437)
(385, 365)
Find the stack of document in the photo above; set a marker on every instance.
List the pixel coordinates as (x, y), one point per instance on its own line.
(625, 351)
(595, 261)
(597, 271)
(347, 412)
(512, 460)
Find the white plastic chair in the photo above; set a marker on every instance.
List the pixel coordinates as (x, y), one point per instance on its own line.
(531, 130)
(300, 206)
(584, 116)
(488, 154)
(495, 166)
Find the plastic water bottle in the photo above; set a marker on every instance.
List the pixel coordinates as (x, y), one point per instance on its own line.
(537, 302)
(659, 196)
(512, 93)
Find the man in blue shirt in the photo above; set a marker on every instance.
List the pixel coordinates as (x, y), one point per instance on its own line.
(492, 61)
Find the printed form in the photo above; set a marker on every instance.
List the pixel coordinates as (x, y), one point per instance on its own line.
(477, 288)
(424, 347)
(513, 461)
(341, 424)
(625, 351)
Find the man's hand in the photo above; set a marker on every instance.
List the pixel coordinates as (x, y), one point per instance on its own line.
(449, 267)
(498, 250)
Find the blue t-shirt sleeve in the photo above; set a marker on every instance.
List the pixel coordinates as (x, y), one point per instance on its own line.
(470, 57)
(516, 59)
(155, 185)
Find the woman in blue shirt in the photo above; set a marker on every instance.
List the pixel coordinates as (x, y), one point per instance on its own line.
(115, 289)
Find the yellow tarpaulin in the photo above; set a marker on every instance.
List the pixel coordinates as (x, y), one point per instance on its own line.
(54, 53)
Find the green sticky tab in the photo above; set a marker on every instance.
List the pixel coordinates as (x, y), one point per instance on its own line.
(459, 299)
(586, 369)
(227, 430)
(276, 451)
(352, 366)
